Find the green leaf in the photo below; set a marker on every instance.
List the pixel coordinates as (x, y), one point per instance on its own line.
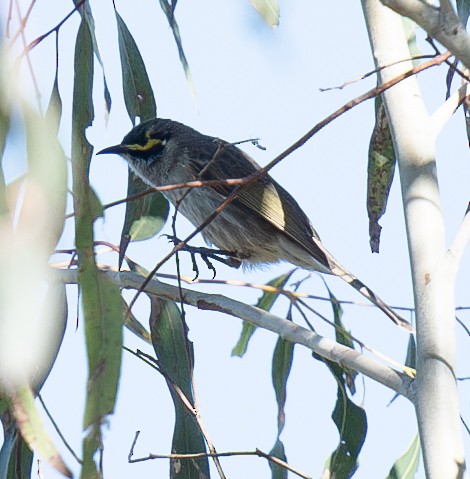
(342, 337)
(169, 11)
(463, 10)
(410, 359)
(350, 419)
(134, 325)
(265, 302)
(21, 460)
(16, 458)
(104, 317)
(281, 367)
(381, 169)
(54, 109)
(145, 217)
(87, 15)
(278, 472)
(138, 93)
(351, 422)
(101, 299)
(32, 429)
(269, 10)
(91, 443)
(410, 31)
(175, 357)
(407, 464)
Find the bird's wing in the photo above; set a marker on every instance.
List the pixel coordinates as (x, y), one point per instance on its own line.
(266, 198)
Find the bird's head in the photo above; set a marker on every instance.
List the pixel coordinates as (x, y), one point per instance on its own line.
(145, 141)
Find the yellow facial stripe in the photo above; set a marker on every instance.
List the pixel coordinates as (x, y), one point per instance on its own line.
(151, 142)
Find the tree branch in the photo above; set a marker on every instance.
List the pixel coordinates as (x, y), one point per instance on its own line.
(288, 330)
(440, 23)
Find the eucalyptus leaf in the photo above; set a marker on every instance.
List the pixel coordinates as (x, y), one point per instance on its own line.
(138, 93)
(269, 10)
(265, 302)
(32, 429)
(86, 13)
(101, 300)
(145, 216)
(406, 465)
(169, 11)
(175, 357)
(380, 172)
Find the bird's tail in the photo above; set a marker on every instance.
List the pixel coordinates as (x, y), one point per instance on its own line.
(344, 274)
(338, 270)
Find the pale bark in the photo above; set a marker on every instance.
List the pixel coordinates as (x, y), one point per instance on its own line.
(433, 270)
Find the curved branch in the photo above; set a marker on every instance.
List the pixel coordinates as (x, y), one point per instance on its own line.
(288, 330)
(440, 23)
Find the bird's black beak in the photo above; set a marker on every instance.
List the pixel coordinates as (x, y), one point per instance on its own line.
(116, 149)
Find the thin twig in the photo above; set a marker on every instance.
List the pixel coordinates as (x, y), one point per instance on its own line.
(39, 39)
(23, 23)
(59, 432)
(28, 60)
(377, 70)
(192, 409)
(257, 452)
(407, 370)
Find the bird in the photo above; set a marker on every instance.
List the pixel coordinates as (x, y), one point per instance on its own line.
(263, 225)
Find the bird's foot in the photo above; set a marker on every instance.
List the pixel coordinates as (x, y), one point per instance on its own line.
(229, 258)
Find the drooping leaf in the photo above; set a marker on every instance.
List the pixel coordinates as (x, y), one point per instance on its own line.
(134, 325)
(32, 429)
(86, 13)
(103, 330)
(145, 217)
(380, 173)
(411, 352)
(265, 302)
(54, 108)
(277, 471)
(281, 367)
(410, 32)
(175, 357)
(101, 300)
(269, 10)
(10, 436)
(463, 10)
(351, 421)
(138, 92)
(410, 360)
(342, 337)
(16, 458)
(349, 418)
(407, 464)
(91, 443)
(169, 11)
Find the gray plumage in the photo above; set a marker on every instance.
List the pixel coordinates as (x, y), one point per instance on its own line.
(263, 225)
